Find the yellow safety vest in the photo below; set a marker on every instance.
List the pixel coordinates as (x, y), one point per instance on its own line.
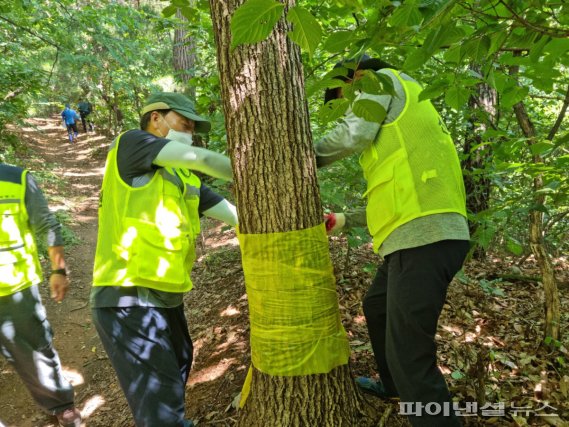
(147, 234)
(412, 169)
(19, 263)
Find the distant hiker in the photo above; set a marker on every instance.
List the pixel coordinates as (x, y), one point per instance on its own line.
(85, 109)
(70, 118)
(25, 334)
(416, 215)
(149, 219)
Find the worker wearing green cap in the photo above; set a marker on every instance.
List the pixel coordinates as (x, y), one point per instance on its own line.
(149, 218)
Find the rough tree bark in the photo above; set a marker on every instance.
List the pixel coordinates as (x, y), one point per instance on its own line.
(477, 186)
(184, 55)
(552, 304)
(536, 228)
(184, 61)
(269, 139)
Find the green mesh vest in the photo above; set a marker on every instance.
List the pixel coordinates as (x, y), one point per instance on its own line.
(147, 234)
(412, 169)
(19, 264)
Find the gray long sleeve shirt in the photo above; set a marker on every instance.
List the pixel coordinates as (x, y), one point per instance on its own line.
(42, 220)
(352, 135)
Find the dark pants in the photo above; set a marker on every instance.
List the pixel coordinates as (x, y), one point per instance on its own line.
(151, 352)
(85, 120)
(72, 131)
(26, 342)
(402, 308)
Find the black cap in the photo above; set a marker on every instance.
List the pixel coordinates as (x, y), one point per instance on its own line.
(365, 62)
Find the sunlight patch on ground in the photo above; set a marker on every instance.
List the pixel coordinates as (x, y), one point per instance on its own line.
(73, 376)
(91, 405)
(233, 339)
(359, 320)
(198, 344)
(95, 172)
(220, 243)
(230, 311)
(211, 373)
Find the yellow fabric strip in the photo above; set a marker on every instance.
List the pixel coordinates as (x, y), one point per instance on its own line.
(293, 305)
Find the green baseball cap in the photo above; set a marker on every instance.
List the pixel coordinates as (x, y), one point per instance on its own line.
(180, 104)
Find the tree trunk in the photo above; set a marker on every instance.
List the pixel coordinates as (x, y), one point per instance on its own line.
(184, 55)
(268, 133)
(477, 185)
(552, 304)
(184, 61)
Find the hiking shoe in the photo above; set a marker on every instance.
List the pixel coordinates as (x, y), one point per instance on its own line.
(375, 388)
(71, 417)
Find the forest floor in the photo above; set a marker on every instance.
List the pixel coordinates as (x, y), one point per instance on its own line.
(489, 333)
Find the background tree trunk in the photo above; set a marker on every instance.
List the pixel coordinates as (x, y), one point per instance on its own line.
(482, 106)
(184, 54)
(184, 61)
(269, 138)
(552, 304)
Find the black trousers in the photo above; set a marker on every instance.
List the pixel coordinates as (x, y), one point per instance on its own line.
(151, 352)
(402, 308)
(85, 120)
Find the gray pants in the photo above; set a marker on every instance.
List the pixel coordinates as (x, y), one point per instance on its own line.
(26, 341)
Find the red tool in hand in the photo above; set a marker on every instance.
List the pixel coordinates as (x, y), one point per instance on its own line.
(330, 221)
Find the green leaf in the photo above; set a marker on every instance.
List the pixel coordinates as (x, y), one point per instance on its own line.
(407, 15)
(333, 110)
(562, 139)
(540, 148)
(369, 110)
(456, 97)
(453, 55)
(254, 21)
(417, 58)
(514, 246)
(557, 47)
(457, 375)
(433, 91)
(306, 29)
(477, 49)
(512, 95)
(386, 84)
(370, 83)
(537, 49)
(169, 11)
(338, 41)
(189, 13)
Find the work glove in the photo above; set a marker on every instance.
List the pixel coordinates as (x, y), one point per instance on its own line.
(334, 222)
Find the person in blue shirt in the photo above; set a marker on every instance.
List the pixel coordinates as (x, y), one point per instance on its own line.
(70, 118)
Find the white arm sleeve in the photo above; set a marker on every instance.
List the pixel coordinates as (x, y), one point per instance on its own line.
(223, 211)
(178, 155)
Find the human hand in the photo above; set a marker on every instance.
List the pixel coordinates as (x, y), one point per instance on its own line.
(58, 284)
(334, 222)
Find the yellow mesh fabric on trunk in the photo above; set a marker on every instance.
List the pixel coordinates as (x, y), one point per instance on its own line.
(293, 305)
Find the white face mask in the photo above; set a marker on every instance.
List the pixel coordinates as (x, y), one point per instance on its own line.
(183, 137)
(174, 135)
